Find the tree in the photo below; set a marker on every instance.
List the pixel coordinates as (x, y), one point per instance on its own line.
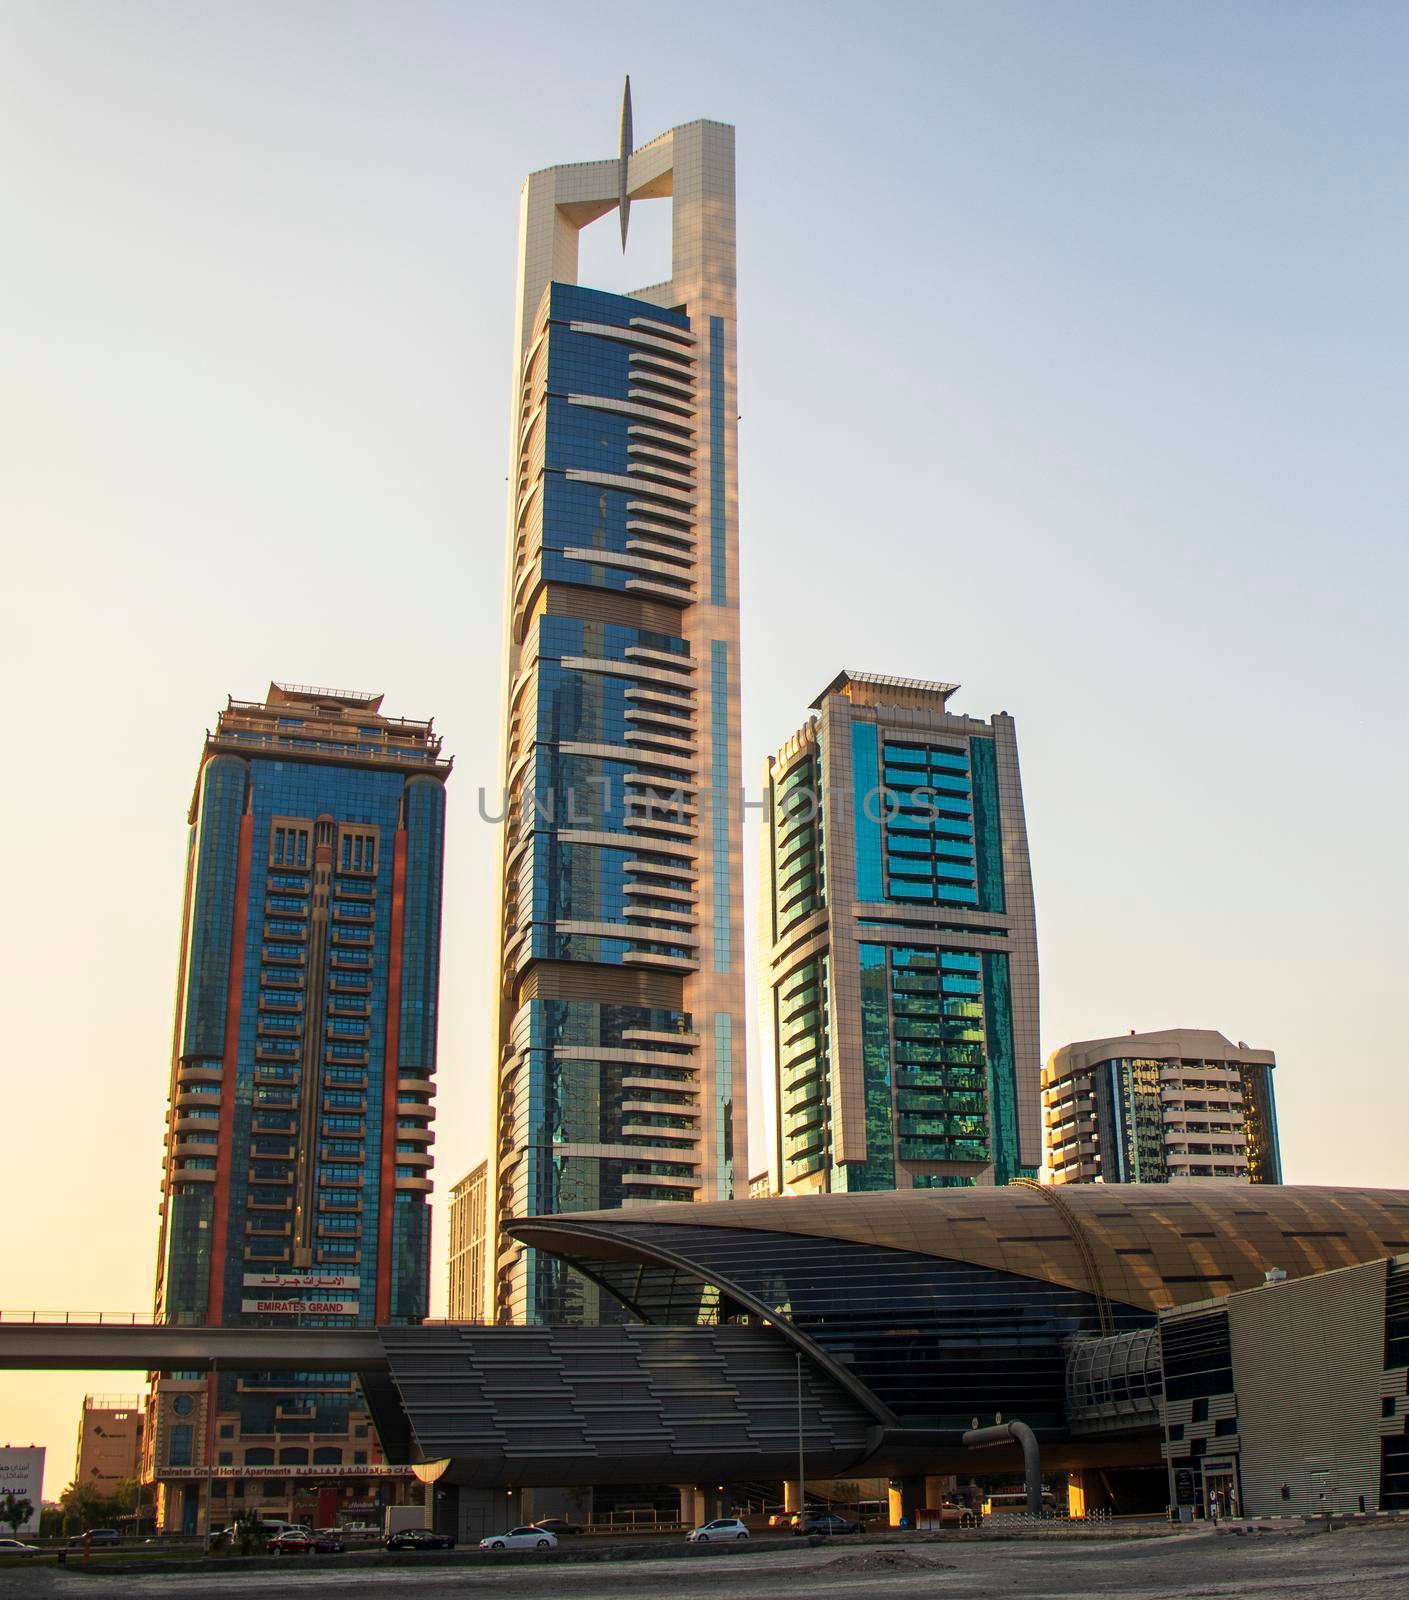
(15, 1511)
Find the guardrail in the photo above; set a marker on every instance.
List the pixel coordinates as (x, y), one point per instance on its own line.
(86, 1319)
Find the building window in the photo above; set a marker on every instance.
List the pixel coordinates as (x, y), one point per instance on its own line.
(182, 1445)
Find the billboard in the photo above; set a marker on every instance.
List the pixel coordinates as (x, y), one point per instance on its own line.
(294, 1308)
(22, 1475)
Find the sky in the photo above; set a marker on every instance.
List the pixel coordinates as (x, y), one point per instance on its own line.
(1072, 369)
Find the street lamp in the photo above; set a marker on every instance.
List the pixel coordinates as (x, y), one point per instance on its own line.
(801, 1469)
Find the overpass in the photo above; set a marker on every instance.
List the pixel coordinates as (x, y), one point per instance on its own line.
(48, 1341)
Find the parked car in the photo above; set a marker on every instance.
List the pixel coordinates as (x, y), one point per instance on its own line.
(359, 1530)
(418, 1539)
(520, 1539)
(95, 1539)
(825, 1522)
(720, 1528)
(17, 1547)
(328, 1541)
(556, 1525)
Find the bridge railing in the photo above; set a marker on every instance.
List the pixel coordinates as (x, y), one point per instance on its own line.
(85, 1319)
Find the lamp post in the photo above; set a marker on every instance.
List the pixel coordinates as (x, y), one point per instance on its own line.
(801, 1469)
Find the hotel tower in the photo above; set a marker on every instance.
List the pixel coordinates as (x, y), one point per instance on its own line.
(297, 1164)
(898, 946)
(620, 1015)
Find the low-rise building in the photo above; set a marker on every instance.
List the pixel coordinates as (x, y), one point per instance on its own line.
(109, 1441)
(1159, 1108)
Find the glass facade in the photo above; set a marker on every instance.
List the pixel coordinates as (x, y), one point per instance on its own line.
(933, 1340)
(299, 1158)
(921, 996)
(611, 1089)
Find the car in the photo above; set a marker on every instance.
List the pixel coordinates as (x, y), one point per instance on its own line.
(720, 1528)
(328, 1541)
(17, 1547)
(418, 1539)
(520, 1539)
(292, 1544)
(359, 1530)
(825, 1522)
(557, 1526)
(95, 1538)
(277, 1530)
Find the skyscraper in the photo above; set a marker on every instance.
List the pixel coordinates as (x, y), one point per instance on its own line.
(621, 1026)
(1157, 1107)
(898, 946)
(298, 1136)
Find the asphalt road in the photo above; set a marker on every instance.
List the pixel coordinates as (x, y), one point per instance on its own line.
(1364, 1563)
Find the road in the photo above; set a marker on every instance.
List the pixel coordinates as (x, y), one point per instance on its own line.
(1359, 1563)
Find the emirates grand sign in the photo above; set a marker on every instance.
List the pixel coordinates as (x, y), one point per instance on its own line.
(294, 1308)
(379, 1471)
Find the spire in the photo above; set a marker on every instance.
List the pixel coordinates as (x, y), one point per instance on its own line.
(624, 199)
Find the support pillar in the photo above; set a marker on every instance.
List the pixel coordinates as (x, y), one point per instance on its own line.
(686, 1491)
(793, 1495)
(906, 1497)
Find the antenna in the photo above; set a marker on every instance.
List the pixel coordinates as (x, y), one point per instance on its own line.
(623, 160)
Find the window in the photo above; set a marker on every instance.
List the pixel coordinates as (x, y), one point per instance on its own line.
(180, 1451)
(1200, 1410)
(1225, 1426)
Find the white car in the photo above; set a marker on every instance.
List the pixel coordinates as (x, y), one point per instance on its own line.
(17, 1547)
(720, 1528)
(521, 1539)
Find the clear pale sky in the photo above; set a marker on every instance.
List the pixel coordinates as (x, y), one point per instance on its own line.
(1072, 368)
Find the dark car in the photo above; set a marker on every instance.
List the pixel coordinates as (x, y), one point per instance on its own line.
(418, 1539)
(95, 1538)
(826, 1523)
(557, 1525)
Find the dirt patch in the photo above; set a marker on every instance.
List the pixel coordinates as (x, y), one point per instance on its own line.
(888, 1561)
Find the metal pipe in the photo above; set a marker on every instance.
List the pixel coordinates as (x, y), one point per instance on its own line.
(1019, 1433)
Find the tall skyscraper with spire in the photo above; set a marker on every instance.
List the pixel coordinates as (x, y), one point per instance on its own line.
(620, 1018)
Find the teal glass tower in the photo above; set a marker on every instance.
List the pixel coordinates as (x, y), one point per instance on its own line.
(899, 947)
(298, 1159)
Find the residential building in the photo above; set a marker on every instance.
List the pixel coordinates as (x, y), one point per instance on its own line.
(298, 1160)
(467, 1245)
(109, 1441)
(621, 1074)
(898, 946)
(1160, 1107)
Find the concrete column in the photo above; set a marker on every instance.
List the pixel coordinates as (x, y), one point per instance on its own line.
(686, 1491)
(1076, 1494)
(793, 1495)
(906, 1496)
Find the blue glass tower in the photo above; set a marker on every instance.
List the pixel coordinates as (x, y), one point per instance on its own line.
(298, 1149)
